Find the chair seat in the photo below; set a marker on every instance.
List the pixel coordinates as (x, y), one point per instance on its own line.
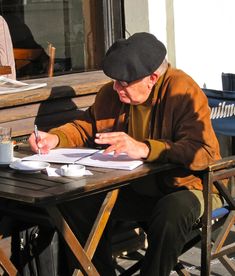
(220, 212)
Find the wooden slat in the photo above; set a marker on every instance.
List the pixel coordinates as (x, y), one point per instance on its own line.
(25, 126)
(26, 54)
(69, 86)
(5, 70)
(45, 108)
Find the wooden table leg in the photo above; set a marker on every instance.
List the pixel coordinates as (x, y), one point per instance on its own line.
(99, 225)
(72, 241)
(85, 255)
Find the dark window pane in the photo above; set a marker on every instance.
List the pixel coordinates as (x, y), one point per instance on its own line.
(74, 27)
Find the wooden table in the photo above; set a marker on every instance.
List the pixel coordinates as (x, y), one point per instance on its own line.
(46, 192)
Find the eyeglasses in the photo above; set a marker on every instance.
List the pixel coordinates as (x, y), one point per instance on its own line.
(123, 83)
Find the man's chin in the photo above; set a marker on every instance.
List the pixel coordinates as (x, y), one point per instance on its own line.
(125, 100)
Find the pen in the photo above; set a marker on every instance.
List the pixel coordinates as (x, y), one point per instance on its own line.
(37, 137)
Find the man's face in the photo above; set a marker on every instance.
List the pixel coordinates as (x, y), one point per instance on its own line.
(136, 92)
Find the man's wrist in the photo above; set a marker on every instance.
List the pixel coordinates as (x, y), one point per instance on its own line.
(146, 150)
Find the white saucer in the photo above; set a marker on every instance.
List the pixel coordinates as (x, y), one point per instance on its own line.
(29, 166)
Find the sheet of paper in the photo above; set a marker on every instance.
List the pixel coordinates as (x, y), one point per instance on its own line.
(62, 155)
(122, 162)
(13, 86)
(87, 157)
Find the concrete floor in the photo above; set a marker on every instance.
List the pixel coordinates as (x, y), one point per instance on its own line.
(190, 260)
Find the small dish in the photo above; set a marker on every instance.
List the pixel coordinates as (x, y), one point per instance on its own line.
(72, 170)
(29, 166)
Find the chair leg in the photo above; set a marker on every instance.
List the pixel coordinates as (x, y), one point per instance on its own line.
(228, 264)
(180, 269)
(131, 270)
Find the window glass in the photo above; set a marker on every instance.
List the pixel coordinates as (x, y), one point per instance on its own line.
(73, 27)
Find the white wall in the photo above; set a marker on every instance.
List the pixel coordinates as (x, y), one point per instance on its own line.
(204, 37)
(157, 19)
(136, 16)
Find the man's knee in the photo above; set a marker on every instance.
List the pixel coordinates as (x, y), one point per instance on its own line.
(178, 208)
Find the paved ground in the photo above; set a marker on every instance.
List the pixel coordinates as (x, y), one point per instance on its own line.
(191, 261)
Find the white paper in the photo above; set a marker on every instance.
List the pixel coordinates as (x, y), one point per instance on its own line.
(87, 157)
(13, 86)
(62, 155)
(122, 161)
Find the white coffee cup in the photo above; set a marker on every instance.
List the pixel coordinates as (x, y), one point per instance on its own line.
(72, 170)
(6, 152)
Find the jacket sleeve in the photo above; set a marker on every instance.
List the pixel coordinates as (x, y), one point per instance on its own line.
(98, 117)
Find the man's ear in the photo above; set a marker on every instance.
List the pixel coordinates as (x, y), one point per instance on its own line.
(154, 77)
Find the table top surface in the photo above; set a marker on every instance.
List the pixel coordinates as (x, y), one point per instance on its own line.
(41, 189)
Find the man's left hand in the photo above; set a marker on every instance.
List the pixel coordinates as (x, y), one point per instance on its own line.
(120, 142)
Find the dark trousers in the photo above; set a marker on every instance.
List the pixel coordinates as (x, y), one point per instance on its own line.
(169, 220)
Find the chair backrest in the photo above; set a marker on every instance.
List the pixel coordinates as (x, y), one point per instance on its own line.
(5, 70)
(228, 81)
(24, 57)
(222, 105)
(6, 51)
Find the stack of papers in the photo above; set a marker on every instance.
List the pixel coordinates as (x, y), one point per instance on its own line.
(87, 157)
(13, 86)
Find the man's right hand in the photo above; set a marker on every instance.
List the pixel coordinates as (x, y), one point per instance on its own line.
(46, 142)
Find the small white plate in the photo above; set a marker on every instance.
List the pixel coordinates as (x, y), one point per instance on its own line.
(29, 166)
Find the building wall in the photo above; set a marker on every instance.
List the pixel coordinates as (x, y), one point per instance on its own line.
(136, 16)
(204, 40)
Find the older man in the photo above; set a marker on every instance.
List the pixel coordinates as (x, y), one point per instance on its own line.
(159, 114)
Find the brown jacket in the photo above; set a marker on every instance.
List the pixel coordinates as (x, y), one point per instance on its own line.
(181, 128)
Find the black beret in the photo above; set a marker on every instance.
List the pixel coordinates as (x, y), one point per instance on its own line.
(134, 58)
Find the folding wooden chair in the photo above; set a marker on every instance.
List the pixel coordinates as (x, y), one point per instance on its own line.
(24, 57)
(221, 220)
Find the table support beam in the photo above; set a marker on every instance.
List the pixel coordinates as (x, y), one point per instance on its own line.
(85, 255)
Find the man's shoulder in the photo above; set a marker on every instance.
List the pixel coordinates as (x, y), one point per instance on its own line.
(177, 78)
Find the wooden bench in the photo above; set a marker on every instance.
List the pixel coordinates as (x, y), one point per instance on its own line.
(50, 106)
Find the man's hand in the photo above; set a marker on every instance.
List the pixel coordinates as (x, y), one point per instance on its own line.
(120, 142)
(46, 142)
